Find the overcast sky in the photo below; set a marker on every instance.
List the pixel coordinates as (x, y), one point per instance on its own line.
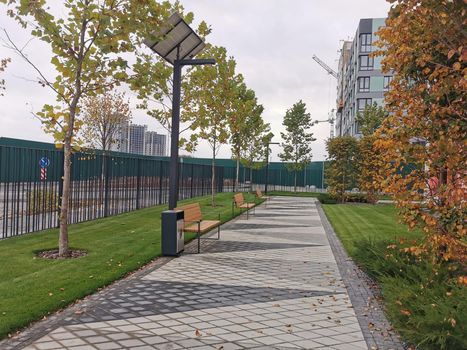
(272, 41)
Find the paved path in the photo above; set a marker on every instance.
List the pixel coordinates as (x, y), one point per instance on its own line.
(270, 283)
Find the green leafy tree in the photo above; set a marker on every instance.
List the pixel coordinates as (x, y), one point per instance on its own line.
(3, 63)
(91, 41)
(371, 118)
(254, 155)
(297, 139)
(245, 123)
(210, 102)
(342, 168)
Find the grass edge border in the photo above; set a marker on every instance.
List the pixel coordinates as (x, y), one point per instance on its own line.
(355, 278)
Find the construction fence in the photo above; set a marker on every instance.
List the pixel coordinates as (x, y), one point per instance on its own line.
(111, 184)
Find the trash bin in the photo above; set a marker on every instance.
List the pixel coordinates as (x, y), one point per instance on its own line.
(172, 238)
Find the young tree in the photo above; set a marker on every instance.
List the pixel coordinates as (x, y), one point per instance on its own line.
(254, 155)
(297, 139)
(210, 101)
(90, 40)
(371, 118)
(244, 122)
(103, 118)
(3, 63)
(368, 157)
(341, 171)
(423, 43)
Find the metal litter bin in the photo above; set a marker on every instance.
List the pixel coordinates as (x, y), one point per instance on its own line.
(172, 238)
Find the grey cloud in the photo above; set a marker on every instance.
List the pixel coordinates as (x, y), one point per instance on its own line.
(272, 40)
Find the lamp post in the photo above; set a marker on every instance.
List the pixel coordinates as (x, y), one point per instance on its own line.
(178, 46)
(173, 168)
(267, 166)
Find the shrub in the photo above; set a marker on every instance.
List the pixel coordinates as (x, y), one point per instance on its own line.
(356, 198)
(426, 302)
(326, 198)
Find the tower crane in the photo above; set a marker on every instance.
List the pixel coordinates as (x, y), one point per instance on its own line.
(325, 66)
(332, 72)
(330, 120)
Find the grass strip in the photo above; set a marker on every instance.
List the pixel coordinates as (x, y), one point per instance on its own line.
(423, 300)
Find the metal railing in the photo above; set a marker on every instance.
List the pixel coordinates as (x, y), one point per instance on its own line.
(110, 184)
(101, 186)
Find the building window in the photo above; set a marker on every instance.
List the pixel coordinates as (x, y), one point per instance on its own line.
(365, 42)
(364, 84)
(366, 62)
(362, 103)
(387, 82)
(357, 127)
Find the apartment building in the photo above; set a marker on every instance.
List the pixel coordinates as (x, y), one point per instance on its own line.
(136, 139)
(360, 80)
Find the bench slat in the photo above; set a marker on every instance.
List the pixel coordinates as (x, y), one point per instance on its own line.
(204, 226)
(239, 200)
(192, 212)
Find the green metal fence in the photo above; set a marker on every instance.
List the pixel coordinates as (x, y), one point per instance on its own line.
(105, 185)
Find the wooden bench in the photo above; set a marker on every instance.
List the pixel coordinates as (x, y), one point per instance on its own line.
(260, 195)
(194, 222)
(239, 202)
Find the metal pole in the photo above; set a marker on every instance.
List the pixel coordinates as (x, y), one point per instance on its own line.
(322, 177)
(173, 170)
(267, 171)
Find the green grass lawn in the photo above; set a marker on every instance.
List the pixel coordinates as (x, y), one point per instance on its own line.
(423, 300)
(355, 224)
(31, 287)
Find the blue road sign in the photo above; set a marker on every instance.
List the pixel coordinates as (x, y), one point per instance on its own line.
(44, 162)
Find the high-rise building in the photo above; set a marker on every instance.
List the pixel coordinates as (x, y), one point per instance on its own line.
(136, 135)
(360, 80)
(134, 138)
(155, 144)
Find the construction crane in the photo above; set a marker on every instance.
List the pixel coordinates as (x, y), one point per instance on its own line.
(325, 66)
(330, 120)
(332, 72)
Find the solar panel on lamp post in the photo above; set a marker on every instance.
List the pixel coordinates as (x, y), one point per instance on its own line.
(178, 46)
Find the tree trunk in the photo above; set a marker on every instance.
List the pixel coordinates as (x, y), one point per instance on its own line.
(63, 235)
(295, 182)
(63, 250)
(237, 174)
(213, 177)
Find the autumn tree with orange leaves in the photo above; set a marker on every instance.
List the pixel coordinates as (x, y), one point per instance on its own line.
(423, 141)
(369, 159)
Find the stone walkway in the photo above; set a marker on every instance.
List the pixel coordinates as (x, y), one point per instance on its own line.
(271, 282)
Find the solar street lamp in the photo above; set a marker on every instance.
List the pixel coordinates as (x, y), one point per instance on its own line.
(178, 46)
